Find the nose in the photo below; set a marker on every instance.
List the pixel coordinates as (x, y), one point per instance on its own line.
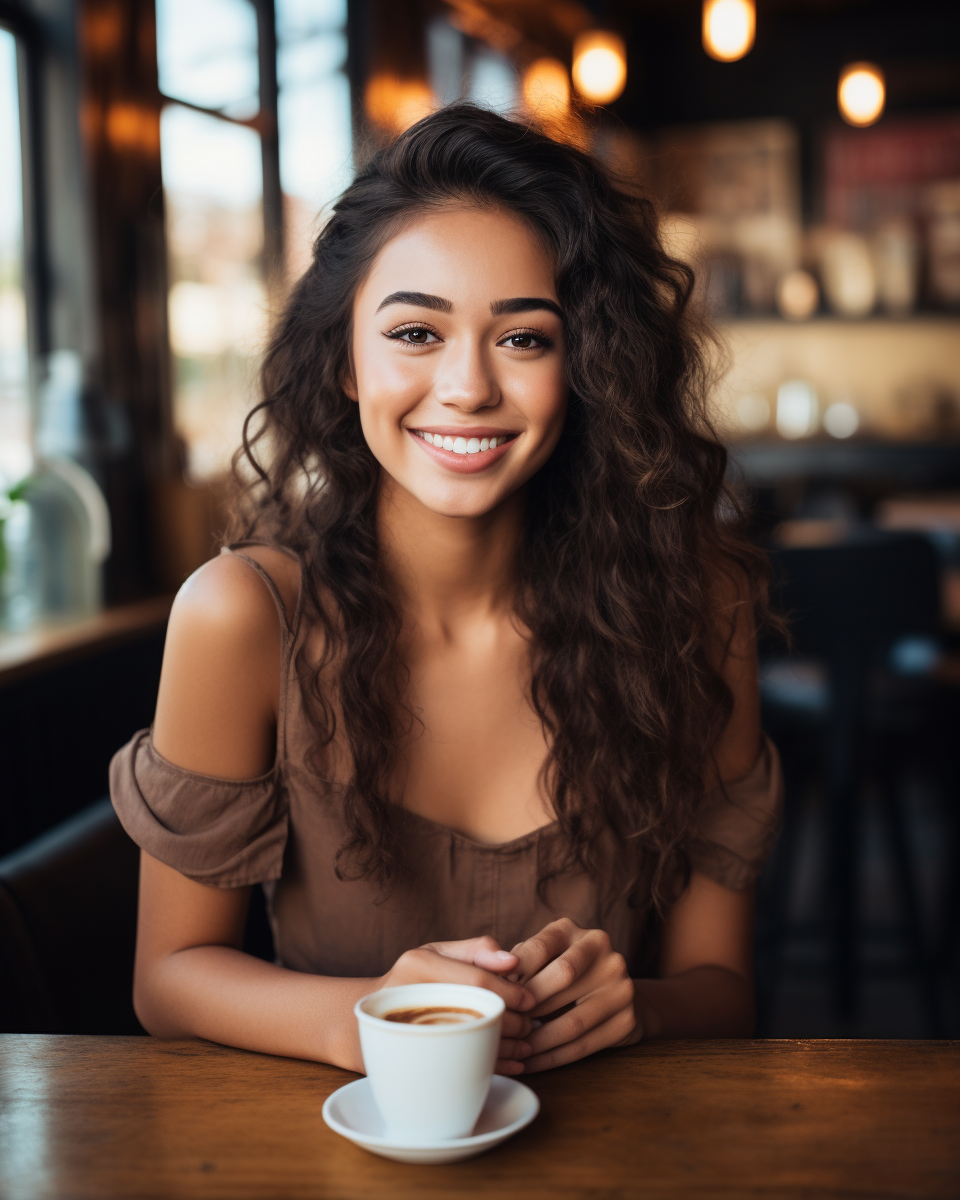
(464, 377)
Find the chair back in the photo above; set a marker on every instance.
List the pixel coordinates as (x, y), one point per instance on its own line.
(860, 594)
(68, 915)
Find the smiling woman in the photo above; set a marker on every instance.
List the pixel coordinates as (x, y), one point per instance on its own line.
(474, 691)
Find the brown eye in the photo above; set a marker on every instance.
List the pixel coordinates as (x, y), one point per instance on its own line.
(418, 336)
(521, 341)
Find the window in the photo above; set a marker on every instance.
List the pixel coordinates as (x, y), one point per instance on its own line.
(223, 232)
(316, 153)
(15, 455)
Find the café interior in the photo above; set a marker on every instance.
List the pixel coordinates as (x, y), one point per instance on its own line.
(164, 167)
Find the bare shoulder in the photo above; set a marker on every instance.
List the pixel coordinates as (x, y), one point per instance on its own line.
(282, 566)
(225, 594)
(219, 687)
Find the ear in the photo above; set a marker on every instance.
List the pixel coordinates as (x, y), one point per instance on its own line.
(348, 381)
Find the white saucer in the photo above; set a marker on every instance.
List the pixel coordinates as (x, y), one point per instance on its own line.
(352, 1112)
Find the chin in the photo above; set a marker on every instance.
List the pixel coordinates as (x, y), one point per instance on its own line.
(463, 506)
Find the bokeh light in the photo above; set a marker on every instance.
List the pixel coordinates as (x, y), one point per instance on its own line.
(861, 94)
(729, 28)
(546, 89)
(599, 66)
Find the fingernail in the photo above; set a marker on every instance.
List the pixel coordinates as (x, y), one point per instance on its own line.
(524, 1050)
(534, 1024)
(504, 955)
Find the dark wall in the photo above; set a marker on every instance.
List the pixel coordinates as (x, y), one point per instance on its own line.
(60, 728)
(793, 69)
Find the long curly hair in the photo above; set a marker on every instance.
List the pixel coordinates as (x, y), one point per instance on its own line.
(629, 528)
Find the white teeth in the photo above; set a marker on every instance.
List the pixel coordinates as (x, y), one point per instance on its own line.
(462, 445)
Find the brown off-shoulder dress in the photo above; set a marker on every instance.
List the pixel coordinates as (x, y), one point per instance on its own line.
(284, 829)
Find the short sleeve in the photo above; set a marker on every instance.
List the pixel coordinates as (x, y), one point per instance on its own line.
(739, 823)
(216, 831)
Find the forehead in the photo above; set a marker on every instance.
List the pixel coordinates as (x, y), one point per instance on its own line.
(462, 254)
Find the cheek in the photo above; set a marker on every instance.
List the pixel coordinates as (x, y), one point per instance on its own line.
(542, 394)
(386, 379)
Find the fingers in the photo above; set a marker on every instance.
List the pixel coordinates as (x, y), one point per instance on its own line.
(511, 1056)
(563, 973)
(482, 951)
(608, 1033)
(543, 947)
(505, 1066)
(515, 1025)
(427, 965)
(591, 1013)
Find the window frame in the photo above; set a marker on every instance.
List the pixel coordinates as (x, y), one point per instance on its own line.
(266, 125)
(30, 46)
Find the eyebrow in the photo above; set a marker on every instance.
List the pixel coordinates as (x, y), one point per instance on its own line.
(521, 304)
(499, 308)
(420, 299)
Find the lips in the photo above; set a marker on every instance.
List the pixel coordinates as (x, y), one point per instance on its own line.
(463, 464)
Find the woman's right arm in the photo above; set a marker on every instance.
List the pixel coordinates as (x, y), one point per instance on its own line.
(216, 715)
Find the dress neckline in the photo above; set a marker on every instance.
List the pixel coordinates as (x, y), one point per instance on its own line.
(514, 846)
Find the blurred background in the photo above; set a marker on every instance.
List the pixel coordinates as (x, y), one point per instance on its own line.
(164, 167)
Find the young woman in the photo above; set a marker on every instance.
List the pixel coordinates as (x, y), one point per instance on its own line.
(474, 691)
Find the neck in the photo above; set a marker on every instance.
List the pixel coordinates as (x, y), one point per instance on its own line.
(449, 570)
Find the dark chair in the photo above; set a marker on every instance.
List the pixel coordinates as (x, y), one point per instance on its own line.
(68, 914)
(848, 604)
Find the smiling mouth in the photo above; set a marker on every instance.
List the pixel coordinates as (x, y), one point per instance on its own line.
(462, 445)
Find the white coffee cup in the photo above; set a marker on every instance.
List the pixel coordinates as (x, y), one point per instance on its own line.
(430, 1081)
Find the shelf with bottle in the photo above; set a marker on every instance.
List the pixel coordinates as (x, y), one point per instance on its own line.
(892, 380)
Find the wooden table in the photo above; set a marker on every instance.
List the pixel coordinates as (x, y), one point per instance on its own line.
(134, 1117)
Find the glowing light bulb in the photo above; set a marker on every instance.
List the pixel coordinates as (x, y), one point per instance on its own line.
(546, 88)
(861, 94)
(396, 104)
(729, 27)
(599, 66)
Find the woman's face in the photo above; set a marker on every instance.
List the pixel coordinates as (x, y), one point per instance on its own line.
(458, 359)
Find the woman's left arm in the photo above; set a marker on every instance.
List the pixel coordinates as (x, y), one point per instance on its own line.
(705, 988)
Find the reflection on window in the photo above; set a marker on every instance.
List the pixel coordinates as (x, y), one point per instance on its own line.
(15, 456)
(213, 192)
(316, 161)
(207, 54)
(212, 180)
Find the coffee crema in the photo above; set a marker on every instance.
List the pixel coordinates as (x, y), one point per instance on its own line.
(440, 1015)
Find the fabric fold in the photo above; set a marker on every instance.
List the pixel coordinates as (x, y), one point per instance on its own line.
(221, 832)
(739, 823)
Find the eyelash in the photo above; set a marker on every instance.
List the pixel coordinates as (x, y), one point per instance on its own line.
(545, 341)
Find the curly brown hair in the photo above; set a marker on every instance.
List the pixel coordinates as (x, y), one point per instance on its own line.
(628, 528)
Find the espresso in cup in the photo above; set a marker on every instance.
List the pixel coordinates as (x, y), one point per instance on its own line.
(432, 1016)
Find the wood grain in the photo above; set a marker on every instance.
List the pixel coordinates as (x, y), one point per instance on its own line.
(136, 1117)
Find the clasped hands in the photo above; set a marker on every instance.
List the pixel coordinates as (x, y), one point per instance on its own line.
(568, 992)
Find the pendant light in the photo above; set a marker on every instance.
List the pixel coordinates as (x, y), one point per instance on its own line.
(599, 66)
(546, 88)
(861, 94)
(729, 27)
